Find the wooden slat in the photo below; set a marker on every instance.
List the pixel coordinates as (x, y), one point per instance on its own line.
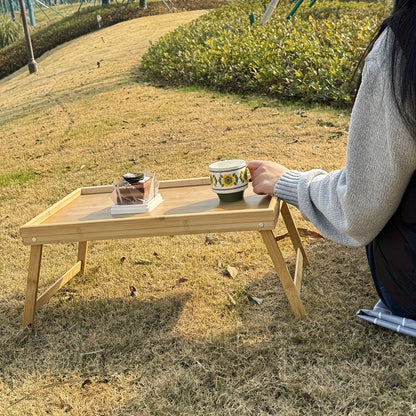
(89, 190)
(274, 206)
(293, 231)
(58, 284)
(249, 220)
(298, 270)
(283, 273)
(71, 234)
(178, 183)
(32, 285)
(82, 254)
(163, 184)
(54, 208)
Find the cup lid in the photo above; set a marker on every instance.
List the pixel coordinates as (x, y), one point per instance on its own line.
(225, 165)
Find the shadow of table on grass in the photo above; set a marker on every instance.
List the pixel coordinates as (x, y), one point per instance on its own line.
(269, 363)
(91, 338)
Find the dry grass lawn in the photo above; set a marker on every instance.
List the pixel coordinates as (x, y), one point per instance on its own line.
(177, 347)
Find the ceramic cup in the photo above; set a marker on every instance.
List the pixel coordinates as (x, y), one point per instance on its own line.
(229, 179)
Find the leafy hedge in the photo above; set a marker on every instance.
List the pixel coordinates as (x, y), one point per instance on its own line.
(310, 58)
(14, 56)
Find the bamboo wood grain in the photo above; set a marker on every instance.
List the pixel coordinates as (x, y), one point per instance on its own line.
(174, 183)
(82, 255)
(32, 285)
(54, 208)
(292, 293)
(65, 278)
(298, 270)
(293, 231)
(104, 189)
(104, 231)
(177, 183)
(188, 209)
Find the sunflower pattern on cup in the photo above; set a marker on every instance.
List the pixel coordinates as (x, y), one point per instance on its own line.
(229, 179)
(213, 179)
(244, 176)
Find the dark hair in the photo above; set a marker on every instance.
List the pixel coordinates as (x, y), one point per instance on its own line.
(402, 21)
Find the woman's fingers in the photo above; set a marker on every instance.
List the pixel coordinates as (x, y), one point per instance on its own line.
(264, 175)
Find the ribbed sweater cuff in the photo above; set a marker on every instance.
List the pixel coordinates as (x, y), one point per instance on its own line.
(286, 187)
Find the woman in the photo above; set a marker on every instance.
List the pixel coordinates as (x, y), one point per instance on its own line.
(372, 200)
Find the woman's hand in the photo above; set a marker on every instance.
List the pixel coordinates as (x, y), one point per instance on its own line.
(264, 175)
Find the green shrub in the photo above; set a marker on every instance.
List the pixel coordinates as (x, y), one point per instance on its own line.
(331, 9)
(311, 57)
(14, 56)
(9, 31)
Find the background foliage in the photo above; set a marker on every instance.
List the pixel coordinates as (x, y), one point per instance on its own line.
(9, 31)
(311, 57)
(14, 56)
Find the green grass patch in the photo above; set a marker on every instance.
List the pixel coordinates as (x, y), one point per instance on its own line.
(19, 177)
(310, 58)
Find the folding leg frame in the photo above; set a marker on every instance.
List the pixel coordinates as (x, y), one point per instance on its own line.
(291, 286)
(33, 302)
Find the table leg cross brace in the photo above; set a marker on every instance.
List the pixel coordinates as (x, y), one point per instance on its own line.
(32, 302)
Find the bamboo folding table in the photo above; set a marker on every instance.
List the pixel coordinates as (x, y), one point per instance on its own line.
(189, 206)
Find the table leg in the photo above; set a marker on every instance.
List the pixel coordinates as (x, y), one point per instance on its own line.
(283, 273)
(82, 254)
(32, 285)
(293, 231)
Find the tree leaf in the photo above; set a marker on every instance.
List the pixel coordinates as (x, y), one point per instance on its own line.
(86, 383)
(143, 261)
(303, 232)
(181, 280)
(231, 299)
(259, 301)
(232, 271)
(281, 237)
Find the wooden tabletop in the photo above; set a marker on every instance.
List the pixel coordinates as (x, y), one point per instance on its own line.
(189, 206)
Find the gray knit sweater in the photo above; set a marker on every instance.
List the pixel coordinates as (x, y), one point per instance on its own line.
(352, 205)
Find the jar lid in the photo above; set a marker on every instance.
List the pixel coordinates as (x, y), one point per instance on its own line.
(227, 165)
(133, 177)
